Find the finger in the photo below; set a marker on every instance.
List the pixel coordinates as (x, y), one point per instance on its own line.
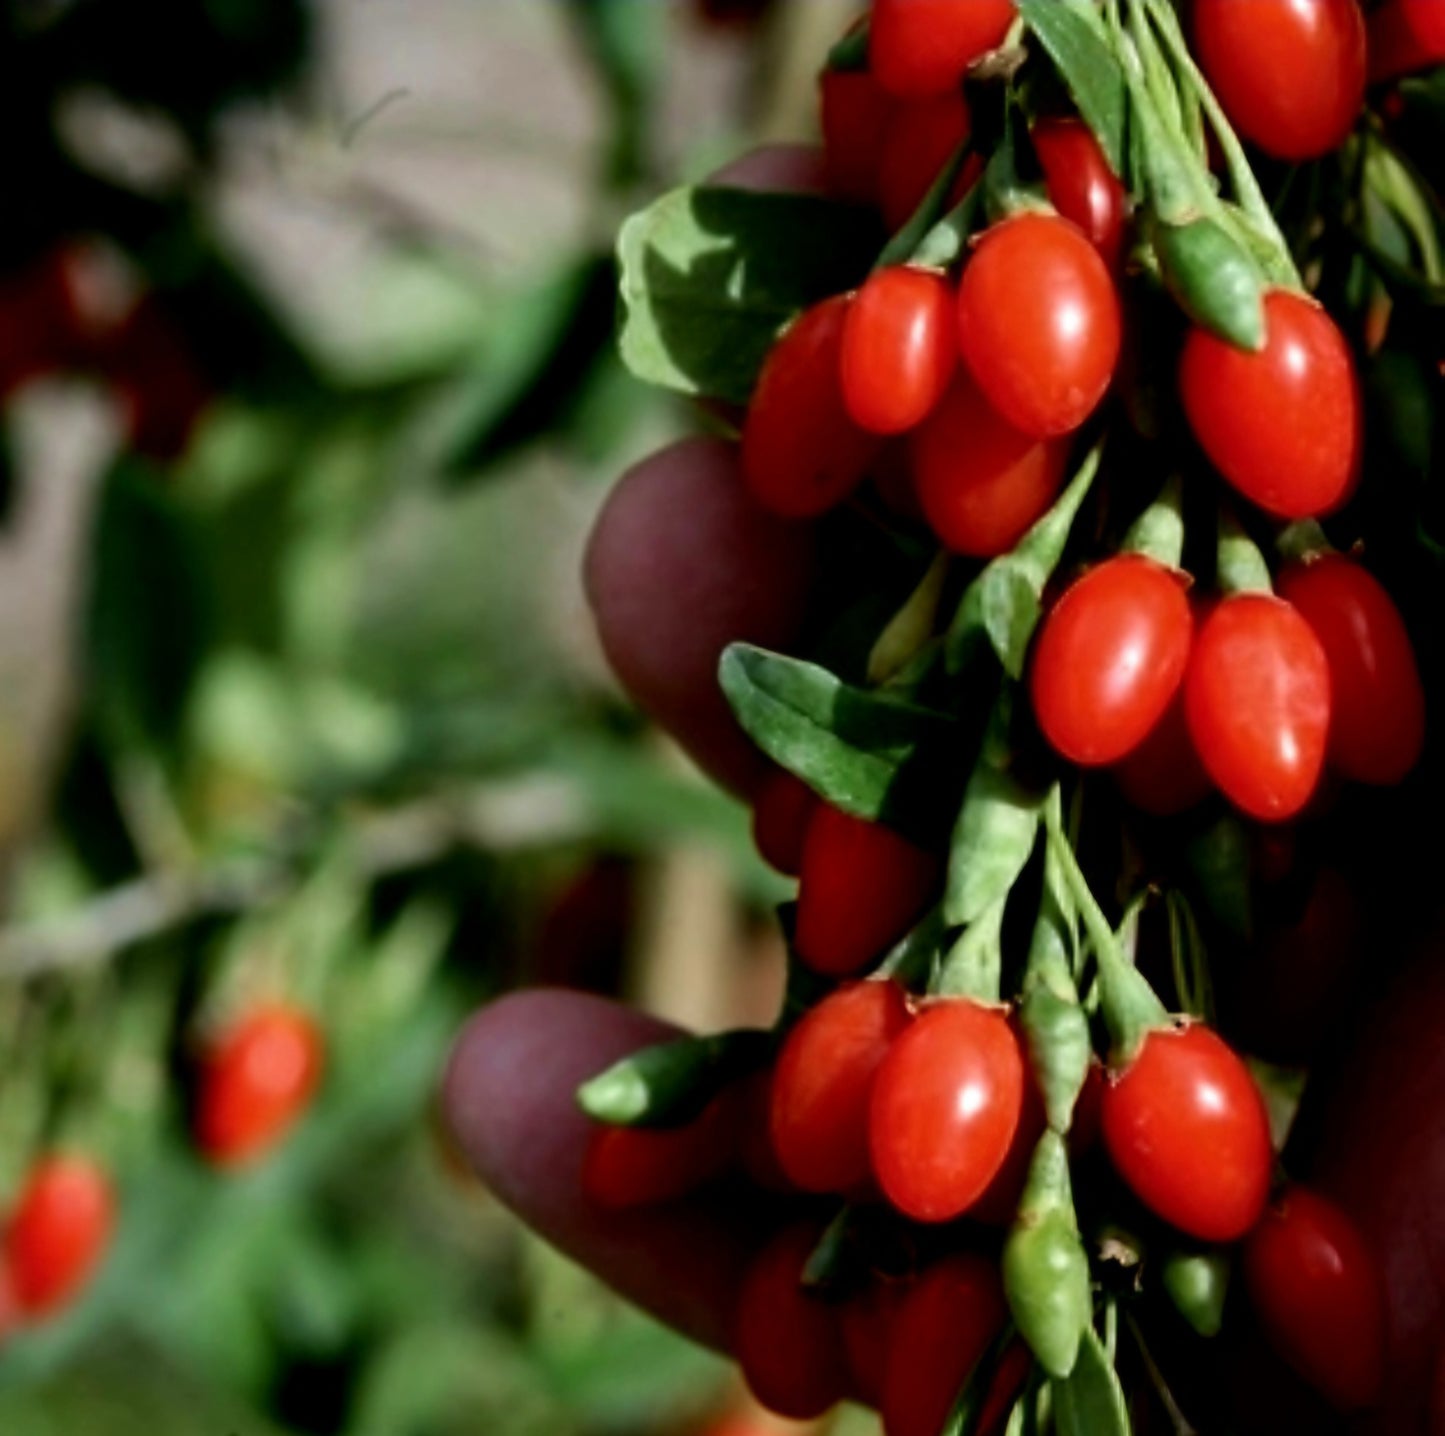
(509, 1096)
(681, 563)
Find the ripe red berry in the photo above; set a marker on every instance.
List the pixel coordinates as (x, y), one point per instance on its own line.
(1289, 73)
(629, 1167)
(863, 887)
(1110, 657)
(900, 349)
(1320, 1296)
(867, 1321)
(1257, 699)
(255, 1081)
(1283, 426)
(1377, 702)
(918, 140)
(999, 1203)
(788, 1342)
(947, 1101)
(1163, 775)
(1185, 1126)
(982, 484)
(941, 1331)
(1405, 36)
(1081, 186)
(782, 810)
(58, 1232)
(855, 113)
(924, 47)
(824, 1081)
(1040, 324)
(801, 452)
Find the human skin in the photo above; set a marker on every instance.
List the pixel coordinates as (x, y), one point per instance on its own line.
(510, 1091)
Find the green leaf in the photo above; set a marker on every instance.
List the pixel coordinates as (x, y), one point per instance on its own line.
(1197, 1282)
(1045, 1266)
(710, 276)
(670, 1083)
(1073, 33)
(871, 755)
(996, 828)
(1091, 1402)
(1004, 603)
(1214, 279)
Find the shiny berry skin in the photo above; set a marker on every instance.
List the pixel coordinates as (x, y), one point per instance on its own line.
(1186, 1128)
(941, 1331)
(862, 888)
(1289, 73)
(924, 47)
(1284, 426)
(855, 112)
(946, 1104)
(1039, 324)
(1257, 700)
(999, 1203)
(256, 1080)
(782, 810)
(1320, 1297)
(981, 483)
(628, 1167)
(1110, 657)
(58, 1232)
(787, 1342)
(900, 349)
(1405, 36)
(1163, 775)
(823, 1083)
(802, 454)
(1377, 702)
(1080, 184)
(918, 140)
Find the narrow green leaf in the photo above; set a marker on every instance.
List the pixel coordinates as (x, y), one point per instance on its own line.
(1073, 33)
(1045, 1266)
(996, 828)
(1158, 532)
(710, 276)
(967, 1411)
(1091, 1402)
(904, 246)
(872, 755)
(1003, 604)
(1219, 859)
(1197, 1282)
(974, 964)
(671, 1082)
(911, 627)
(1214, 280)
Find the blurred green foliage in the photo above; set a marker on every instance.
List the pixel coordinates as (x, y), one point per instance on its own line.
(329, 737)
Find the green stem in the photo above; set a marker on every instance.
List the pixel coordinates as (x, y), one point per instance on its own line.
(1158, 532)
(1130, 1006)
(1241, 567)
(974, 966)
(1241, 176)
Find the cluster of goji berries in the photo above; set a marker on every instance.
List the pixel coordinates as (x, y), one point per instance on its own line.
(254, 1080)
(975, 1099)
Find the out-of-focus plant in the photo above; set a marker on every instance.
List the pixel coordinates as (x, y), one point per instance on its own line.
(323, 756)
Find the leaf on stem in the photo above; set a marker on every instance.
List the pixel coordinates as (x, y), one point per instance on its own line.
(711, 275)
